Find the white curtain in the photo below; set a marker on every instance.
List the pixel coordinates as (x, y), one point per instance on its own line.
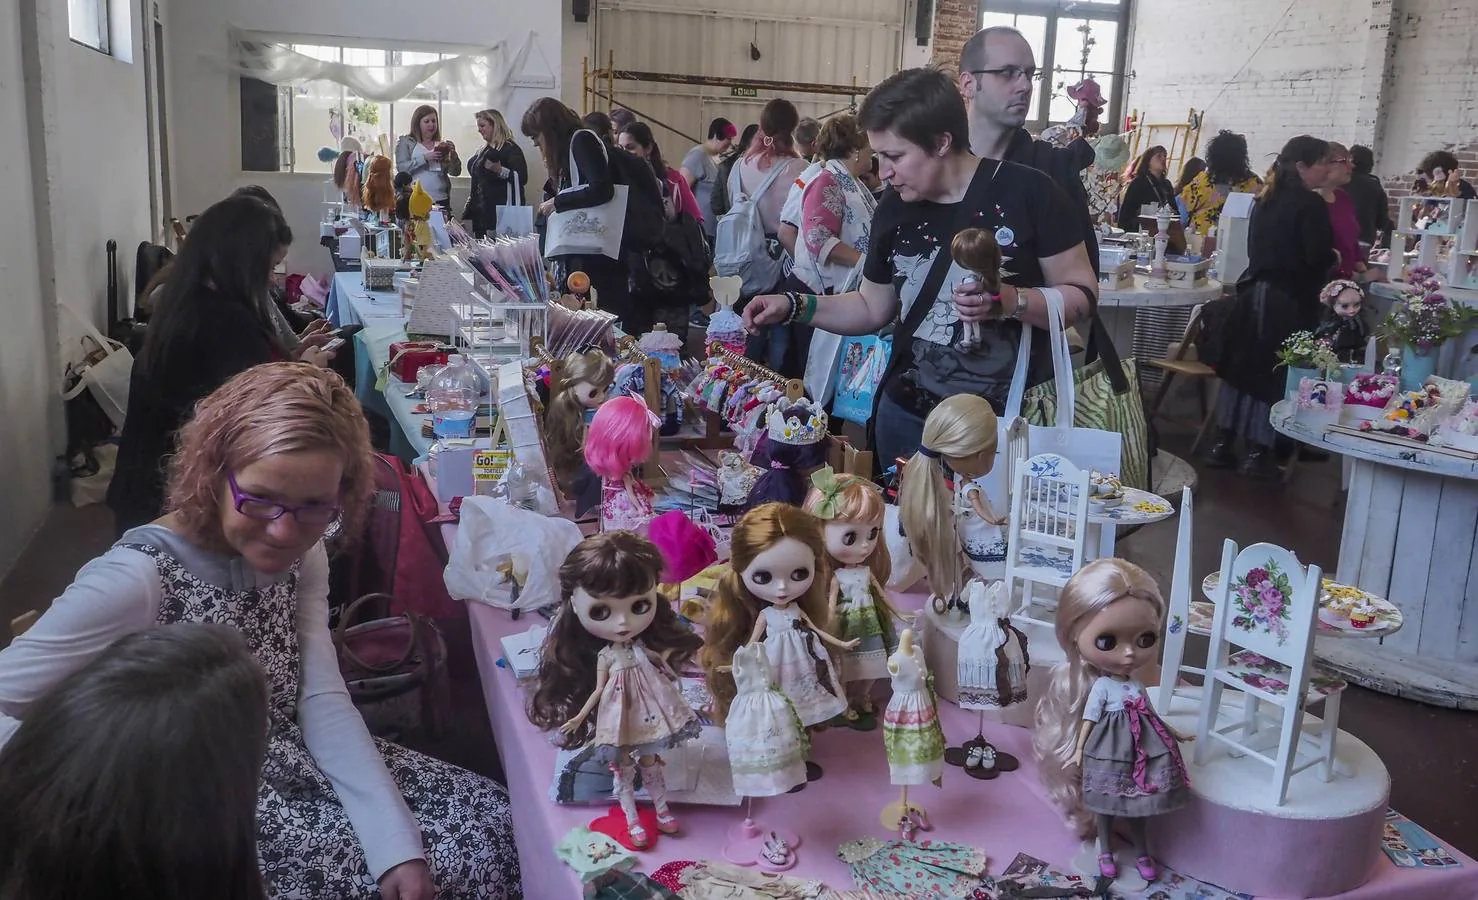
(484, 75)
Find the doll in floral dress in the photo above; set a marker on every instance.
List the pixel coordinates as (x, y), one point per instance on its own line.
(619, 438)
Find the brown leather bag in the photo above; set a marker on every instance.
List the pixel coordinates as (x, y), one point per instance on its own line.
(395, 669)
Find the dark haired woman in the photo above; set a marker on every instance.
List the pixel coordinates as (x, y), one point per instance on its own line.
(1227, 172)
(265, 467)
(637, 139)
(426, 157)
(916, 124)
(1437, 174)
(556, 130)
(700, 168)
(211, 319)
(1289, 257)
(136, 775)
(721, 199)
(1148, 189)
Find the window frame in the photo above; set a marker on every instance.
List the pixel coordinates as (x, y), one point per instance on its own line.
(104, 13)
(1053, 11)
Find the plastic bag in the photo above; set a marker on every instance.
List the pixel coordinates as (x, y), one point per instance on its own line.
(508, 557)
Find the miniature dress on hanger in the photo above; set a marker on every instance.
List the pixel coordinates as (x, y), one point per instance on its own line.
(984, 544)
(993, 661)
(802, 666)
(767, 743)
(1131, 762)
(858, 616)
(911, 732)
(641, 710)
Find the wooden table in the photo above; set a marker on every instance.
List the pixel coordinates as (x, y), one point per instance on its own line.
(1144, 318)
(1410, 535)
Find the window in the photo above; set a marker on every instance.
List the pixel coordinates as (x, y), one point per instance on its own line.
(299, 128)
(1070, 41)
(87, 23)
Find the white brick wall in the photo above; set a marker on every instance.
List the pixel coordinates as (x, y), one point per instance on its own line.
(1308, 76)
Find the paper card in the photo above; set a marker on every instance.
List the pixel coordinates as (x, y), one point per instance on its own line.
(1411, 846)
(488, 468)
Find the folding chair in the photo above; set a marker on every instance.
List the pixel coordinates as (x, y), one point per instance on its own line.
(1177, 363)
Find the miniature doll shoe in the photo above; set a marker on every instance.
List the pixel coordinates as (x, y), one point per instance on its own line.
(852, 715)
(639, 837)
(776, 851)
(921, 819)
(1107, 867)
(906, 827)
(976, 757)
(987, 757)
(666, 822)
(1147, 868)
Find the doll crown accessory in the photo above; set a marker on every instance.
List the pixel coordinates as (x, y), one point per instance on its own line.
(801, 421)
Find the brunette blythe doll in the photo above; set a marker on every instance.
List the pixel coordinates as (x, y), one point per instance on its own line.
(976, 250)
(775, 591)
(1341, 323)
(619, 437)
(614, 649)
(851, 512)
(1103, 751)
(946, 528)
(581, 382)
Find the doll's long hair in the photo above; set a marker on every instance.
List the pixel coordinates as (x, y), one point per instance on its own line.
(960, 426)
(976, 249)
(732, 610)
(859, 501)
(619, 437)
(564, 421)
(1060, 714)
(379, 186)
(609, 564)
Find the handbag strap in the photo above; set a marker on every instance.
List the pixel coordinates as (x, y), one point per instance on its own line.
(342, 630)
(574, 166)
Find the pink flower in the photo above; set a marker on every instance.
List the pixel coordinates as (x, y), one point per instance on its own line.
(1256, 576)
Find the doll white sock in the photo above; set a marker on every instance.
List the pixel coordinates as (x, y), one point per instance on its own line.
(626, 792)
(655, 780)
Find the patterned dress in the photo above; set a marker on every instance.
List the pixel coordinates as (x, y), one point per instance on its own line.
(620, 510)
(306, 844)
(767, 744)
(911, 732)
(641, 709)
(859, 616)
(1131, 762)
(802, 666)
(984, 544)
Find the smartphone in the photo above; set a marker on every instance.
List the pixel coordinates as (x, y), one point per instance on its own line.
(334, 344)
(347, 331)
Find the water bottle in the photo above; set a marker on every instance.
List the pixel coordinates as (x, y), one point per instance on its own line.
(522, 488)
(452, 399)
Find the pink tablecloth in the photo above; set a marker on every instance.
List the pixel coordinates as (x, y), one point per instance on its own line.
(1003, 817)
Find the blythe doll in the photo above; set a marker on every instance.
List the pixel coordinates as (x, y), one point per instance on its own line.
(620, 437)
(775, 591)
(1103, 751)
(581, 381)
(947, 528)
(851, 512)
(794, 444)
(1341, 323)
(977, 251)
(614, 649)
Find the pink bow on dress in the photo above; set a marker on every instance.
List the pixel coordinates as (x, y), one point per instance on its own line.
(1140, 712)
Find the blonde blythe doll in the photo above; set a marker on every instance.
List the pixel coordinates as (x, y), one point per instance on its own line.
(1103, 751)
(953, 532)
(582, 380)
(851, 512)
(775, 591)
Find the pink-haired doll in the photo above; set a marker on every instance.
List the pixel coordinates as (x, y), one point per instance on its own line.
(619, 438)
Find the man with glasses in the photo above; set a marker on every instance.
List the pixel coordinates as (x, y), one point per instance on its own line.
(998, 76)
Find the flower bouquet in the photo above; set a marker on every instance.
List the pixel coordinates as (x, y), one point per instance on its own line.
(1260, 599)
(1301, 350)
(1424, 318)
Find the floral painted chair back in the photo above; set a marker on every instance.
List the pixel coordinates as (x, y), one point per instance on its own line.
(1268, 604)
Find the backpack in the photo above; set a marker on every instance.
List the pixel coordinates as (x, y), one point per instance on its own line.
(675, 270)
(740, 246)
(644, 213)
(402, 553)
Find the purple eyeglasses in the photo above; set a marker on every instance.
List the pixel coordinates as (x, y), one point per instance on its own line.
(254, 507)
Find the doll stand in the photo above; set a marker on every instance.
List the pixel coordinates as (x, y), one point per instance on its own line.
(1085, 863)
(747, 839)
(1005, 762)
(894, 812)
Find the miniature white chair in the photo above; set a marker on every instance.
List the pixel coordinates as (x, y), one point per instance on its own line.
(1267, 604)
(1178, 614)
(1048, 529)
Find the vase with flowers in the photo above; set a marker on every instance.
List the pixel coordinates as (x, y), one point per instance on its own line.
(1307, 357)
(1421, 321)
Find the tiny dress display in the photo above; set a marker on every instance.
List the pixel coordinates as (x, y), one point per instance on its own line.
(802, 666)
(1131, 762)
(859, 616)
(767, 743)
(993, 661)
(911, 733)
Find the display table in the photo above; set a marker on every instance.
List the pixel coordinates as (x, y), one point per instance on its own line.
(1143, 319)
(384, 323)
(350, 304)
(1411, 536)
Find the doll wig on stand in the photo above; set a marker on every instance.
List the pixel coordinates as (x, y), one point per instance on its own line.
(1059, 715)
(619, 437)
(379, 186)
(610, 564)
(961, 426)
(733, 609)
(564, 421)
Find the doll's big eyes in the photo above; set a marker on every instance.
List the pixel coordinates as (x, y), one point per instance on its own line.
(873, 534)
(849, 538)
(641, 607)
(599, 612)
(1146, 640)
(1105, 642)
(760, 577)
(800, 574)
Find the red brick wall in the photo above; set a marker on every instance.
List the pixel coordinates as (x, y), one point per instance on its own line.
(1398, 186)
(954, 22)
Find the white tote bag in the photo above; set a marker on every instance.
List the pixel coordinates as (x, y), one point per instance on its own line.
(826, 350)
(516, 218)
(103, 366)
(595, 230)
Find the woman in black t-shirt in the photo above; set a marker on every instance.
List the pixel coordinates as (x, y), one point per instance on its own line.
(917, 126)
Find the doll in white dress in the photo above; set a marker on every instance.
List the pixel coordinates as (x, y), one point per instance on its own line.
(767, 743)
(993, 660)
(911, 731)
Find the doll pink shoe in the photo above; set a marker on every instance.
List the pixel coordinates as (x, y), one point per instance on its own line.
(1147, 868)
(639, 837)
(666, 822)
(1106, 866)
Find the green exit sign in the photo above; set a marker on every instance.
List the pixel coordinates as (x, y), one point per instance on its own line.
(743, 92)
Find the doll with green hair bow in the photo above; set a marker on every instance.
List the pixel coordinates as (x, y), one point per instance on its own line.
(851, 512)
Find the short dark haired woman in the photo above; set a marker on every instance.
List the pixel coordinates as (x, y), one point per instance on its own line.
(1437, 173)
(915, 122)
(1289, 257)
(136, 775)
